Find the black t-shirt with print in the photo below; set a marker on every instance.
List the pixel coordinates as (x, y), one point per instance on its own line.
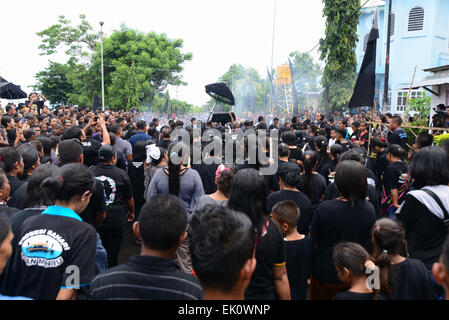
(118, 190)
(270, 252)
(399, 137)
(395, 175)
(53, 251)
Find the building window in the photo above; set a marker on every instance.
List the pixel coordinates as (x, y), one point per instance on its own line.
(416, 19)
(402, 98)
(365, 42)
(393, 23)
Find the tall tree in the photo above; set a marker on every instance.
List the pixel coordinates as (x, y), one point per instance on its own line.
(338, 49)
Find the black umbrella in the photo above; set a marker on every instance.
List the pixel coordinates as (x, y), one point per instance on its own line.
(9, 90)
(220, 92)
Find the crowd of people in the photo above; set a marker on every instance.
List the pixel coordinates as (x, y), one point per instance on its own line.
(349, 214)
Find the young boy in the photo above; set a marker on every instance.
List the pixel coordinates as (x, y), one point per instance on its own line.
(298, 246)
(396, 179)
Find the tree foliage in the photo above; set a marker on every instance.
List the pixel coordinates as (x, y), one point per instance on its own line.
(338, 49)
(134, 63)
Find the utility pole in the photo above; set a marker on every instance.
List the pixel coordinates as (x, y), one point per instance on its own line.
(387, 60)
(102, 67)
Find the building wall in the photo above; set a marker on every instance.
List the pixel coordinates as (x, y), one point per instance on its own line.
(427, 48)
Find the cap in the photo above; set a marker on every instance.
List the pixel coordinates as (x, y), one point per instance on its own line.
(106, 153)
(70, 150)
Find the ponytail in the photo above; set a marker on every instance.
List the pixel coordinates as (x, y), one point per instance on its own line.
(309, 161)
(68, 181)
(176, 152)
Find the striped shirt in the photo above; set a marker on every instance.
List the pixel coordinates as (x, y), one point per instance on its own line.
(145, 278)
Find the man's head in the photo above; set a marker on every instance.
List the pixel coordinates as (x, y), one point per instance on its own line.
(8, 122)
(222, 243)
(116, 129)
(70, 151)
(10, 109)
(73, 133)
(286, 215)
(162, 223)
(340, 134)
(424, 139)
(395, 123)
(141, 125)
(58, 129)
(107, 155)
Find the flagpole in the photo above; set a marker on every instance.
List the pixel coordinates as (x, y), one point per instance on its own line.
(387, 59)
(102, 68)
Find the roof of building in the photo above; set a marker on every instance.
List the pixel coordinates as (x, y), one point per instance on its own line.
(374, 3)
(437, 69)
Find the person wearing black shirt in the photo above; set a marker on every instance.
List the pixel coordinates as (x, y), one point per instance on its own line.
(288, 177)
(341, 139)
(354, 266)
(328, 168)
(119, 201)
(299, 248)
(290, 139)
(137, 175)
(52, 243)
(269, 280)
(423, 217)
(223, 264)
(396, 179)
(311, 182)
(152, 275)
(408, 278)
(4, 195)
(397, 134)
(13, 166)
(349, 218)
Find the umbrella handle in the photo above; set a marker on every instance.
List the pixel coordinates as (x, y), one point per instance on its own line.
(213, 107)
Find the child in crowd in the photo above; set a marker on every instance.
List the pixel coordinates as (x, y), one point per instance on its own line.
(355, 269)
(299, 248)
(407, 278)
(396, 180)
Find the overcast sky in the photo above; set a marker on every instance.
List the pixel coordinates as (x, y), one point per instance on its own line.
(218, 33)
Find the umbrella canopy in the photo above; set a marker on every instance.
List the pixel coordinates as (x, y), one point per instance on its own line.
(9, 90)
(220, 92)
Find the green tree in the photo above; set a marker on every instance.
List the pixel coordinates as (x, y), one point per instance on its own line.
(134, 62)
(53, 82)
(79, 41)
(338, 49)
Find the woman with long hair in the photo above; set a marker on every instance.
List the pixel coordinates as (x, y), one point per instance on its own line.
(424, 212)
(320, 144)
(269, 280)
(328, 169)
(178, 179)
(311, 182)
(350, 217)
